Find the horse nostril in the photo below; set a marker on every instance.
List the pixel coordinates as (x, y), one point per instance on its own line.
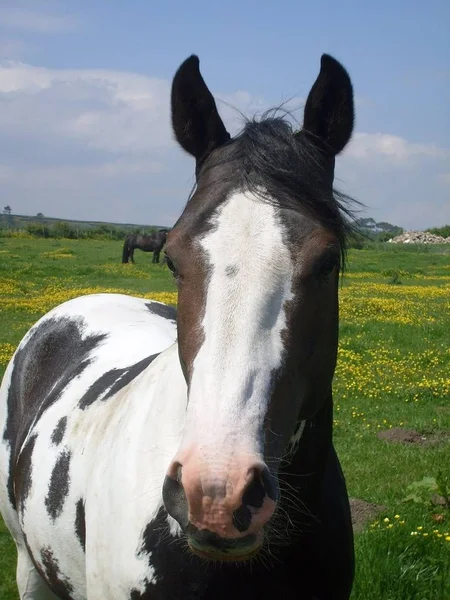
(174, 497)
(255, 492)
(270, 485)
(242, 518)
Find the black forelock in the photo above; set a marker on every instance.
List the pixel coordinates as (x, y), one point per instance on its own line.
(287, 169)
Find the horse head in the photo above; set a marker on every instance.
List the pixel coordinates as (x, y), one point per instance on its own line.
(256, 256)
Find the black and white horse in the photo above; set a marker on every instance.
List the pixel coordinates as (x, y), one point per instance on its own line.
(149, 454)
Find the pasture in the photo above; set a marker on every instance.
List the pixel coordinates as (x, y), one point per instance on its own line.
(393, 376)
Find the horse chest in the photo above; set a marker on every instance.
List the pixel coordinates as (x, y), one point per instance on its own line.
(83, 506)
(191, 579)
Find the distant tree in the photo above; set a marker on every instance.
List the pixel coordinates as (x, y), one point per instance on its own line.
(358, 240)
(443, 231)
(62, 229)
(384, 236)
(9, 219)
(38, 230)
(40, 215)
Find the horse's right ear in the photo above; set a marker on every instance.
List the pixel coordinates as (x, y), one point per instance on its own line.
(196, 122)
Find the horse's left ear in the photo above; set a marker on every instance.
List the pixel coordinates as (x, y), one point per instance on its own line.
(329, 110)
(196, 122)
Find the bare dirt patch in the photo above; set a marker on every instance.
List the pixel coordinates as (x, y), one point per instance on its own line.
(363, 513)
(411, 436)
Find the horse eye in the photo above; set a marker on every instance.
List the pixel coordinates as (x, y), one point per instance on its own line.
(326, 267)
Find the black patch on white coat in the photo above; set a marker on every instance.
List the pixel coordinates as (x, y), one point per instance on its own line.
(53, 356)
(80, 523)
(162, 310)
(24, 474)
(155, 539)
(57, 582)
(58, 488)
(59, 431)
(231, 270)
(113, 381)
(178, 574)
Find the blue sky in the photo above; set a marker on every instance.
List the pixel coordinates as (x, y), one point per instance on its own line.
(84, 105)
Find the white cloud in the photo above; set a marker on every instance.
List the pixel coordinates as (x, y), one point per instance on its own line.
(368, 145)
(107, 110)
(399, 181)
(28, 20)
(97, 144)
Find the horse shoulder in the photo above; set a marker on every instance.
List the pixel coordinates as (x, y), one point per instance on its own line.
(131, 461)
(64, 416)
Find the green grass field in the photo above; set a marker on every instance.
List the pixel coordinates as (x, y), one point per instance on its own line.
(393, 372)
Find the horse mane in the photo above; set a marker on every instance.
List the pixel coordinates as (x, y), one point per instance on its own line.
(284, 168)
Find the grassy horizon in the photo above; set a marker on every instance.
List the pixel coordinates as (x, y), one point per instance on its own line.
(393, 371)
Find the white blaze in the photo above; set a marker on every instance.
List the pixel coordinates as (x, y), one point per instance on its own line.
(250, 281)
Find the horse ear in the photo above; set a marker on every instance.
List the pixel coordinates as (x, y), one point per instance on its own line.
(329, 110)
(196, 122)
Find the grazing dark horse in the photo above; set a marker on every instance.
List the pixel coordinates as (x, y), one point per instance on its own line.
(147, 243)
(149, 454)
